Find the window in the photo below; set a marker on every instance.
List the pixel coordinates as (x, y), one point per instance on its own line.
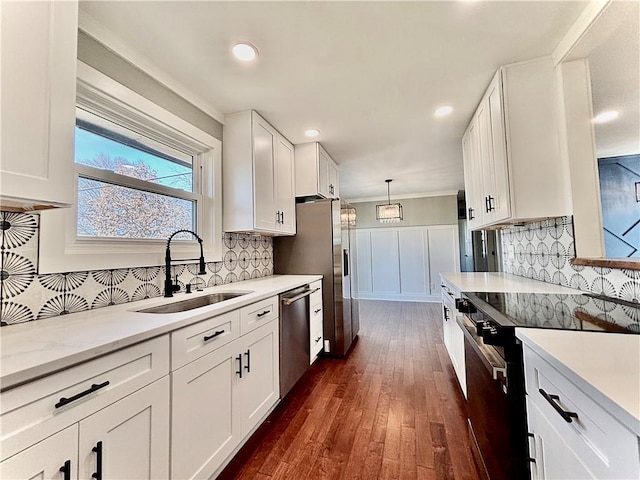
(142, 173)
(131, 186)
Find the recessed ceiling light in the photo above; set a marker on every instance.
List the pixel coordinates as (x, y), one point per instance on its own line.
(607, 116)
(245, 52)
(443, 111)
(312, 133)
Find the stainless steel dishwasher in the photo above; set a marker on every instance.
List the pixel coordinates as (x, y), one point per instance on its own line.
(294, 336)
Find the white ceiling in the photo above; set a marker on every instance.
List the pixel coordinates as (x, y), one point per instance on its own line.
(367, 74)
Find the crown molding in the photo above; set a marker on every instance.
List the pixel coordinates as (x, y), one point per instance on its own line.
(444, 193)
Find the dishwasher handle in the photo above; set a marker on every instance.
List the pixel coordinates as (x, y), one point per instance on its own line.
(289, 300)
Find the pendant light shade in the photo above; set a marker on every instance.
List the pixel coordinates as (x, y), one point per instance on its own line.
(391, 212)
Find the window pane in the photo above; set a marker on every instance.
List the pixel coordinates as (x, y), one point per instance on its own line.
(108, 154)
(106, 210)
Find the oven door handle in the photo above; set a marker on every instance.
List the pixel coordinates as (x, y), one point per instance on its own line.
(498, 368)
(498, 372)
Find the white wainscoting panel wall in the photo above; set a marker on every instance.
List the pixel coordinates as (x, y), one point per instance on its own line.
(404, 263)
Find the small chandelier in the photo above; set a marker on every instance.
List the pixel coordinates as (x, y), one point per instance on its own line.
(391, 212)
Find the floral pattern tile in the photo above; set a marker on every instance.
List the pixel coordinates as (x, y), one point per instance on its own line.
(27, 296)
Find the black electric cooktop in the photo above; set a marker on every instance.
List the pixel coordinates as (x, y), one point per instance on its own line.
(557, 311)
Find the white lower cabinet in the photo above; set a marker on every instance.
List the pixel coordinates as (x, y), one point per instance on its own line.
(205, 424)
(108, 417)
(220, 398)
(130, 438)
(55, 457)
(452, 333)
(552, 459)
(316, 322)
(572, 436)
(259, 387)
(128, 415)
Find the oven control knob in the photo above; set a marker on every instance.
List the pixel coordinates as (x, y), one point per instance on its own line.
(465, 306)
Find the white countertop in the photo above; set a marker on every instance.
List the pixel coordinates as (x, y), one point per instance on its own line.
(606, 366)
(40, 347)
(501, 282)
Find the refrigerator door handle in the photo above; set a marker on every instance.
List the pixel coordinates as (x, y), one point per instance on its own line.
(345, 262)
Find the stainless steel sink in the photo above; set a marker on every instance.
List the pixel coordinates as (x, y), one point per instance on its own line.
(195, 302)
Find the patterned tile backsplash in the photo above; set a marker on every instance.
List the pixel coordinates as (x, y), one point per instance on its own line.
(28, 296)
(542, 250)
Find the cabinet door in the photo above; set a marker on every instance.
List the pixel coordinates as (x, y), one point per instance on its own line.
(484, 160)
(204, 408)
(285, 186)
(323, 172)
(259, 387)
(446, 331)
(128, 440)
(457, 351)
(333, 180)
(38, 101)
(472, 176)
(47, 459)
(499, 199)
(316, 336)
(264, 200)
(553, 459)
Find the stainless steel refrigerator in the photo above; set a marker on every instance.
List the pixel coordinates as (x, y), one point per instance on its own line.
(325, 244)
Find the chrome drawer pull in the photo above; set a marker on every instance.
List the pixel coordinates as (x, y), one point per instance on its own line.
(568, 416)
(64, 401)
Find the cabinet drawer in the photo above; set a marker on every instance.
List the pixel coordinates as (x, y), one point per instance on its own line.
(40, 408)
(315, 343)
(605, 447)
(196, 340)
(257, 314)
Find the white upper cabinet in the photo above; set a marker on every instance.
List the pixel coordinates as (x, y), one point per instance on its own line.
(512, 160)
(316, 172)
(258, 177)
(38, 90)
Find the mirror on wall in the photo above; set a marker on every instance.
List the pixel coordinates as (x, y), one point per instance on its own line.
(611, 47)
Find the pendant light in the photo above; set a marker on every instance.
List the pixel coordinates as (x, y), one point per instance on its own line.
(391, 212)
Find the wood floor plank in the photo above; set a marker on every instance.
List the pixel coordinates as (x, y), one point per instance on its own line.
(391, 410)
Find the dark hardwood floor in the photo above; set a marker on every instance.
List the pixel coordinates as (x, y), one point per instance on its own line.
(391, 409)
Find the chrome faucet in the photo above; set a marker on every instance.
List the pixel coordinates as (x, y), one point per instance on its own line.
(169, 286)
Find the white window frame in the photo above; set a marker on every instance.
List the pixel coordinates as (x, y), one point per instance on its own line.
(61, 250)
